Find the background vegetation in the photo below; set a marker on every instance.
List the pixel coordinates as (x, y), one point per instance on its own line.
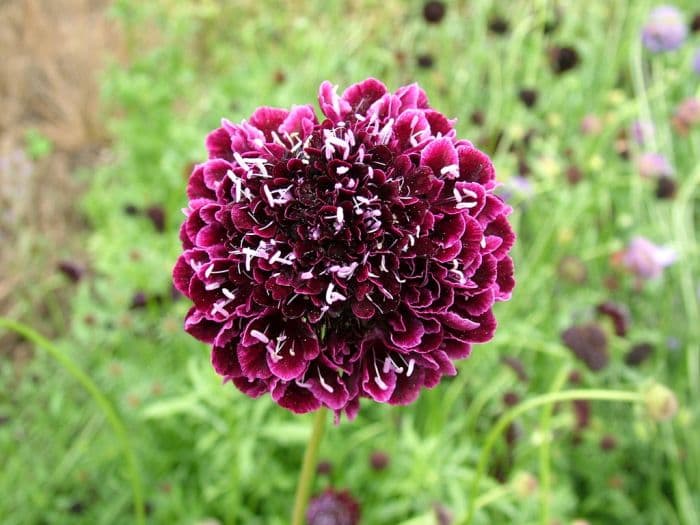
(568, 166)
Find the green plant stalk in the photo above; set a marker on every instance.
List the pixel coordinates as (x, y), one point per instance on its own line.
(105, 405)
(508, 417)
(308, 467)
(544, 457)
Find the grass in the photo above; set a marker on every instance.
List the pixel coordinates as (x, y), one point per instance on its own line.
(206, 451)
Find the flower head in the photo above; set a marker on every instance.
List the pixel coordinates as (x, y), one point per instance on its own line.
(665, 29)
(588, 343)
(696, 61)
(353, 257)
(652, 165)
(647, 260)
(333, 507)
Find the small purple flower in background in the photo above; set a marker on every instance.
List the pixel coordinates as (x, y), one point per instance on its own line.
(642, 131)
(653, 165)
(647, 260)
(588, 343)
(696, 62)
(687, 115)
(333, 507)
(358, 256)
(665, 29)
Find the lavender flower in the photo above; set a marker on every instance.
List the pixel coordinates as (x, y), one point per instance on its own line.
(647, 260)
(696, 62)
(642, 131)
(665, 29)
(333, 507)
(653, 165)
(353, 257)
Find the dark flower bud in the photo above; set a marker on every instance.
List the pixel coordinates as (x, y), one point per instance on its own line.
(157, 216)
(575, 377)
(582, 413)
(498, 25)
(608, 443)
(638, 354)
(477, 118)
(618, 313)
(333, 507)
(695, 23)
(130, 209)
(425, 61)
(562, 59)
(528, 96)
(511, 398)
(573, 175)
(589, 344)
(379, 460)
(73, 271)
(324, 468)
(138, 301)
(77, 507)
(443, 515)
(434, 11)
(516, 365)
(280, 77)
(666, 188)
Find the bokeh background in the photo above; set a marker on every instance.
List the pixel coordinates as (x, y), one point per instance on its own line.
(596, 142)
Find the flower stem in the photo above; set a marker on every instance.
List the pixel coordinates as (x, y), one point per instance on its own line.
(105, 405)
(308, 467)
(544, 399)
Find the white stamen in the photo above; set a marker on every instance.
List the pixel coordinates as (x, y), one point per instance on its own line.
(382, 265)
(260, 336)
(328, 388)
(340, 215)
(332, 296)
(341, 170)
(306, 275)
(452, 169)
(212, 286)
(219, 308)
(378, 379)
(230, 295)
(208, 271)
(483, 242)
(268, 194)
(411, 364)
(465, 205)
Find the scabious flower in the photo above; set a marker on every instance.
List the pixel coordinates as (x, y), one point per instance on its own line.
(642, 131)
(647, 260)
(652, 165)
(588, 343)
(353, 257)
(333, 507)
(665, 29)
(687, 115)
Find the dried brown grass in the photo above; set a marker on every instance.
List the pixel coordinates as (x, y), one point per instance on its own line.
(52, 54)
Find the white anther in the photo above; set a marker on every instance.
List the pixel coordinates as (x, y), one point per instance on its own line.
(341, 170)
(452, 169)
(260, 336)
(229, 295)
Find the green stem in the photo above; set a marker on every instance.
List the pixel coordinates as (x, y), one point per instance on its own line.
(308, 467)
(105, 405)
(545, 467)
(508, 417)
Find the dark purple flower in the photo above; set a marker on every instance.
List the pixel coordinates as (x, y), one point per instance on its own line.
(619, 314)
(498, 25)
(562, 59)
(638, 354)
(324, 468)
(72, 270)
(443, 515)
(156, 214)
(333, 507)
(379, 460)
(425, 61)
(434, 11)
(695, 23)
(354, 257)
(528, 96)
(666, 188)
(589, 344)
(608, 443)
(517, 366)
(665, 29)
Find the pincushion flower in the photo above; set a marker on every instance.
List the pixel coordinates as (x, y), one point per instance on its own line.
(353, 256)
(647, 260)
(665, 30)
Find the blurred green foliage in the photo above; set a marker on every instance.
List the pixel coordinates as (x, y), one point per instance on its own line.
(207, 451)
